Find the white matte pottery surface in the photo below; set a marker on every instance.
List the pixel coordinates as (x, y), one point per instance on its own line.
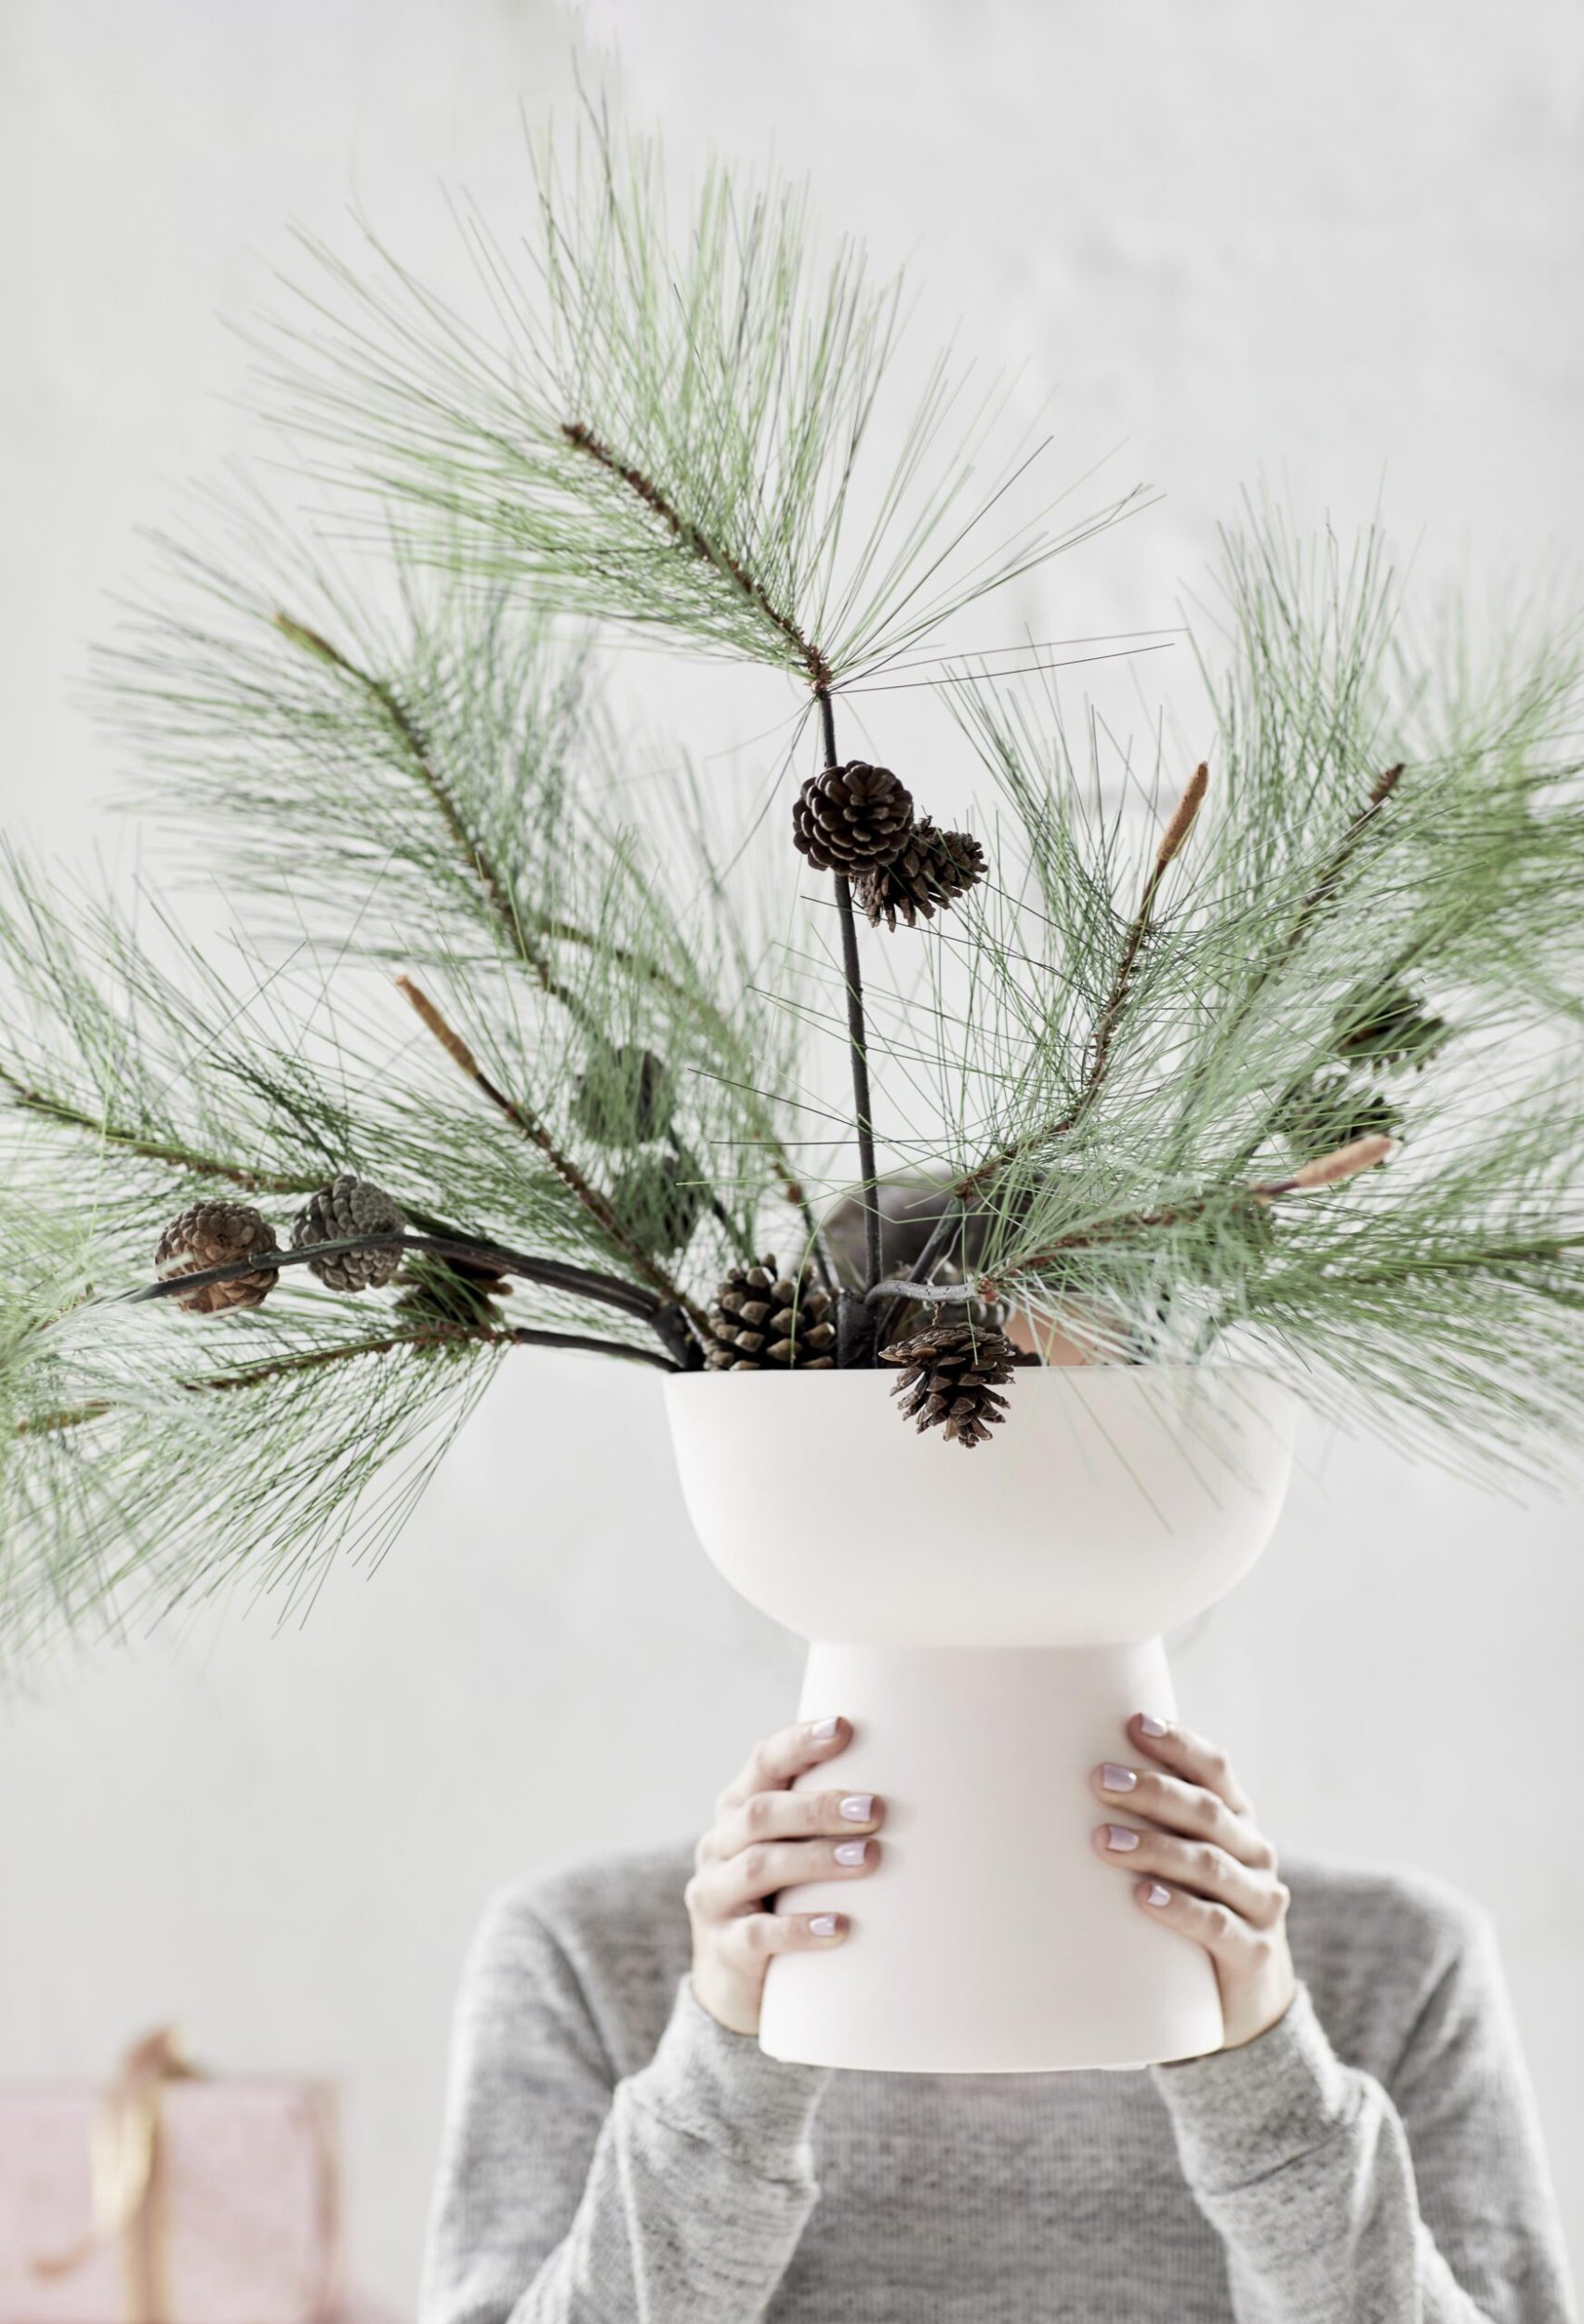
(987, 1621)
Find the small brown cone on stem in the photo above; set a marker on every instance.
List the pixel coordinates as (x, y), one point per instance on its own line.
(951, 1377)
(851, 819)
(764, 1321)
(346, 1207)
(211, 1234)
(932, 869)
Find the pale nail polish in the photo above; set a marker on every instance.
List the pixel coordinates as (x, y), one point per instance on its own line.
(824, 1925)
(853, 1852)
(1114, 1778)
(1119, 1837)
(1157, 1895)
(859, 1807)
(1150, 1725)
(823, 1730)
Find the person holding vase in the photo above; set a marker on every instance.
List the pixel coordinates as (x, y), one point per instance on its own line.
(1362, 2149)
(619, 2147)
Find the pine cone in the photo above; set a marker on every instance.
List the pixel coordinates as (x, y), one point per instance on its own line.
(625, 1097)
(657, 1206)
(851, 819)
(764, 1320)
(208, 1235)
(459, 1292)
(931, 870)
(953, 1372)
(349, 1206)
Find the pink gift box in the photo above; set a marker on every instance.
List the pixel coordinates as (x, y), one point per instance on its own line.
(161, 2200)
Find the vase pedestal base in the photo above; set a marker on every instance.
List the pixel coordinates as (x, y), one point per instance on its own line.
(991, 1939)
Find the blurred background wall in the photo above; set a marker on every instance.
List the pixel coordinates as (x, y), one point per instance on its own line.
(1338, 247)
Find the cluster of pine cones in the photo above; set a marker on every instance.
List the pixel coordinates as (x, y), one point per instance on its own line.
(216, 1234)
(761, 1320)
(858, 820)
(952, 1374)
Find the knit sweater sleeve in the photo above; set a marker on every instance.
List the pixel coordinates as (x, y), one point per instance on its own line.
(675, 2194)
(1339, 2198)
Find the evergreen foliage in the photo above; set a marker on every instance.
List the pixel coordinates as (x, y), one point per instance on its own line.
(1145, 1053)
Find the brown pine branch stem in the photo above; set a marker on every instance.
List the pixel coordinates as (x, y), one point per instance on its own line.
(491, 881)
(523, 1118)
(688, 538)
(314, 1359)
(1110, 1014)
(432, 1337)
(497, 891)
(1315, 897)
(1326, 1170)
(62, 1111)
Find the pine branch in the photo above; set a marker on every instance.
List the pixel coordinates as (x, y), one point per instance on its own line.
(1104, 1032)
(1326, 1170)
(693, 543)
(438, 1336)
(1315, 899)
(523, 1118)
(475, 858)
(62, 1112)
(1176, 832)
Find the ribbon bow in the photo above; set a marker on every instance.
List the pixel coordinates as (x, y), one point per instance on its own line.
(125, 2175)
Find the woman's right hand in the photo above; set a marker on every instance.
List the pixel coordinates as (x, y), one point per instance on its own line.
(766, 1837)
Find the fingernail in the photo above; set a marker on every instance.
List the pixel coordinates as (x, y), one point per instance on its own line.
(821, 1730)
(1157, 1895)
(1114, 1778)
(859, 1807)
(824, 1924)
(1150, 1725)
(853, 1852)
(1121, 1838)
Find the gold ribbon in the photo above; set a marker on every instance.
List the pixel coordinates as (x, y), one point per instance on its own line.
(128, 2189)
(128, 2194)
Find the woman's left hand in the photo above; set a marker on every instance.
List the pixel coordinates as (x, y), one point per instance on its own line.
(1206, 1869)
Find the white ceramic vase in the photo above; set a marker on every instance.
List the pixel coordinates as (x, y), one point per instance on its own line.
(988, 1621)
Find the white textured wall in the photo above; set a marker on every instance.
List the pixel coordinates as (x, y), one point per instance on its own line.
(1241, 235)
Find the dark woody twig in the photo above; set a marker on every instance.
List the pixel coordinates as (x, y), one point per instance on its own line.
(663, 1318)
(315, 1359)
(856, 1344)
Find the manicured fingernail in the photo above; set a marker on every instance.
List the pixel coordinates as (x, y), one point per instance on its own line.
(1119, 1837)
(824, 1924)
(1150, 1725)
(1114, 1778)
(823, 1730)
(853, 1852)
(1155, 1895)
(859, 1807)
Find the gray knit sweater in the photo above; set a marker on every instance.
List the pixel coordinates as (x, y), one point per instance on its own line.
(611, 2154)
